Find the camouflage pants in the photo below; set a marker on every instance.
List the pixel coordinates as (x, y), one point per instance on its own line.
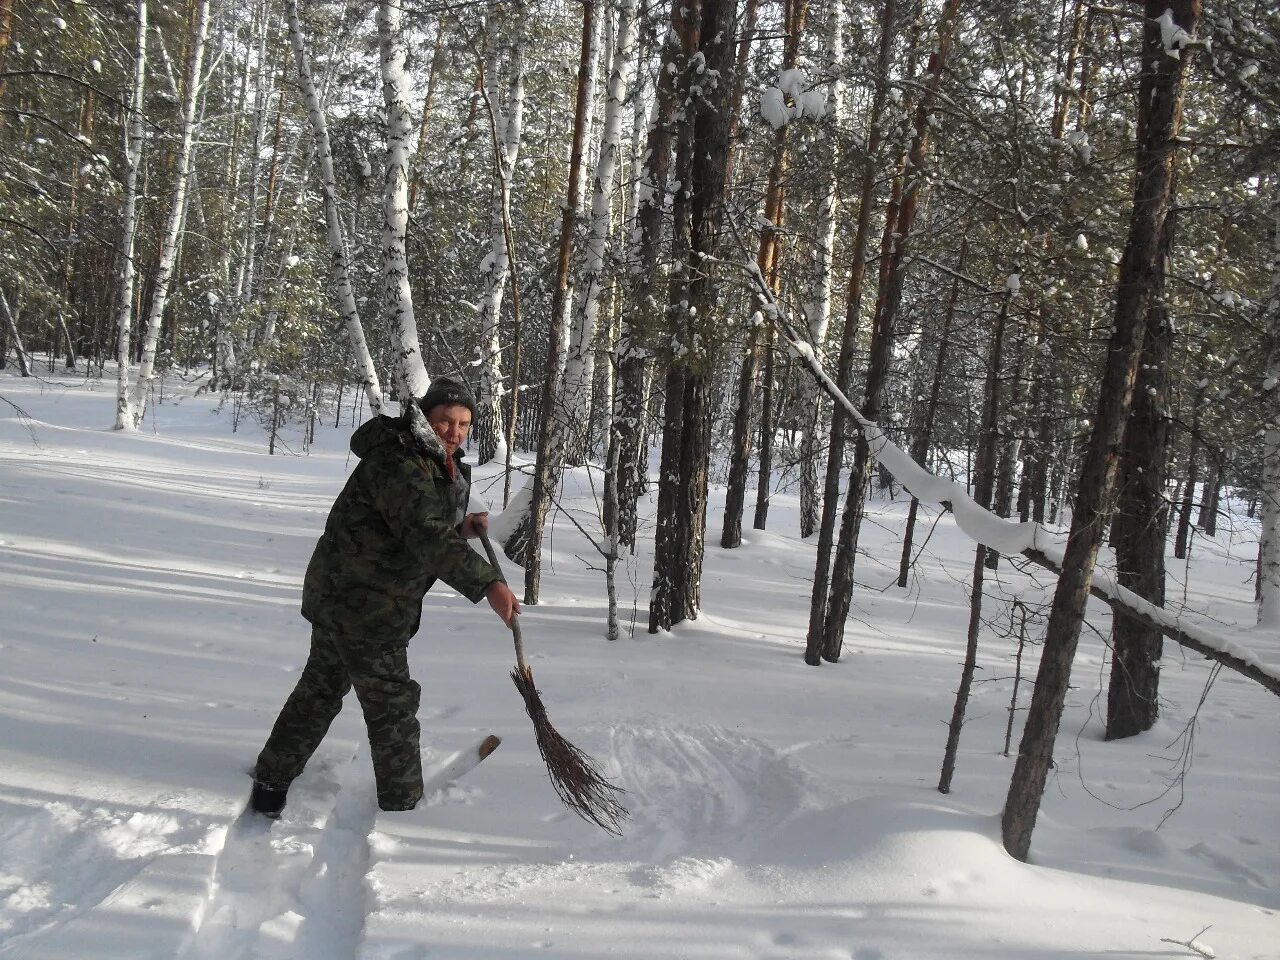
(388, 696)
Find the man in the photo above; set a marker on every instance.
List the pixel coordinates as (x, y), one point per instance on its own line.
(398, 526)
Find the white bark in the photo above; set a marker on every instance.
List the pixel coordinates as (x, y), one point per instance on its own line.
(177, 212)
(508, 122)
(261, 99)
(129, 228)
(580, 362)
(817, 301)
(398, 298)
(1269, 567)
(10, 321)
(338, 272)
(588, 117)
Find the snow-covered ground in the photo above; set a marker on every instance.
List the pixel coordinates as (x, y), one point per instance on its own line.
(149, 631)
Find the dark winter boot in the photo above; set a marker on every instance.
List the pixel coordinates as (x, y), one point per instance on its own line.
(268, 799)
(397, 803)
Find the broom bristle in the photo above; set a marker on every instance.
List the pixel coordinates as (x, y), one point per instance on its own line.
(574, 775)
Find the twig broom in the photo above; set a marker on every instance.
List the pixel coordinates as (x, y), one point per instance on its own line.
(574, 775)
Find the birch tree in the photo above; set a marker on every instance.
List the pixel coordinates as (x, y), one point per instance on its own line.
(129, 225)
(507, 118)
(177, 213)
(817, 300)
(580, 363)
(398, 297)
(339, 273)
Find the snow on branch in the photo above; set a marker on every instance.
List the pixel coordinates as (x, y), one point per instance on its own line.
(1032, 540)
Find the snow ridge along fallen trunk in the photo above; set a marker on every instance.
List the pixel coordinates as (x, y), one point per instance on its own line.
(1034, 541)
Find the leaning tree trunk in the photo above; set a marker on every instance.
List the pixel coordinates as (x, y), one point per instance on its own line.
(339, 273)
(397, 294)
(1159, 113)
(177, 212)
(848, 345)
(1142, 518)
(129, 225)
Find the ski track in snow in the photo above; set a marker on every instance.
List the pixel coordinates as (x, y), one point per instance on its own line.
(110, 846)
(261, 905)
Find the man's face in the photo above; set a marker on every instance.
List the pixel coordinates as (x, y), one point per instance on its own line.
(452, 423)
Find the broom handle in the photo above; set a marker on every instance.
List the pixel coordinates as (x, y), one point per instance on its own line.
(515, 621)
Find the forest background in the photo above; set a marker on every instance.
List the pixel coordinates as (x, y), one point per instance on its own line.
(1037, 244)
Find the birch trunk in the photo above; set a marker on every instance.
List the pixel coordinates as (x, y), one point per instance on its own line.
(339, 274)
(817, 307)
(11, 325)
(129, 226)
(177, 212)
(507, 122)
(575, 408)
(261, 99)
(398, 298)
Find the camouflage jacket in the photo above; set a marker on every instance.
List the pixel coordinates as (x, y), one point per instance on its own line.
(390, 534)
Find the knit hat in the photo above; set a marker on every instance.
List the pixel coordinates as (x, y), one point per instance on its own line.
(444, 391)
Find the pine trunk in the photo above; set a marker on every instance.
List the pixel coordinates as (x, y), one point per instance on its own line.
(1142, 518)
(1159, 112)
(697, 214)
(848, 344)
(892, 274)
(984, 469)
(760, 335)
(644, 312)
(525, 544)
(1269, 549)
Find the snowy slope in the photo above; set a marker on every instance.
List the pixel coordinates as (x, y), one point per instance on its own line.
(149, 632)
